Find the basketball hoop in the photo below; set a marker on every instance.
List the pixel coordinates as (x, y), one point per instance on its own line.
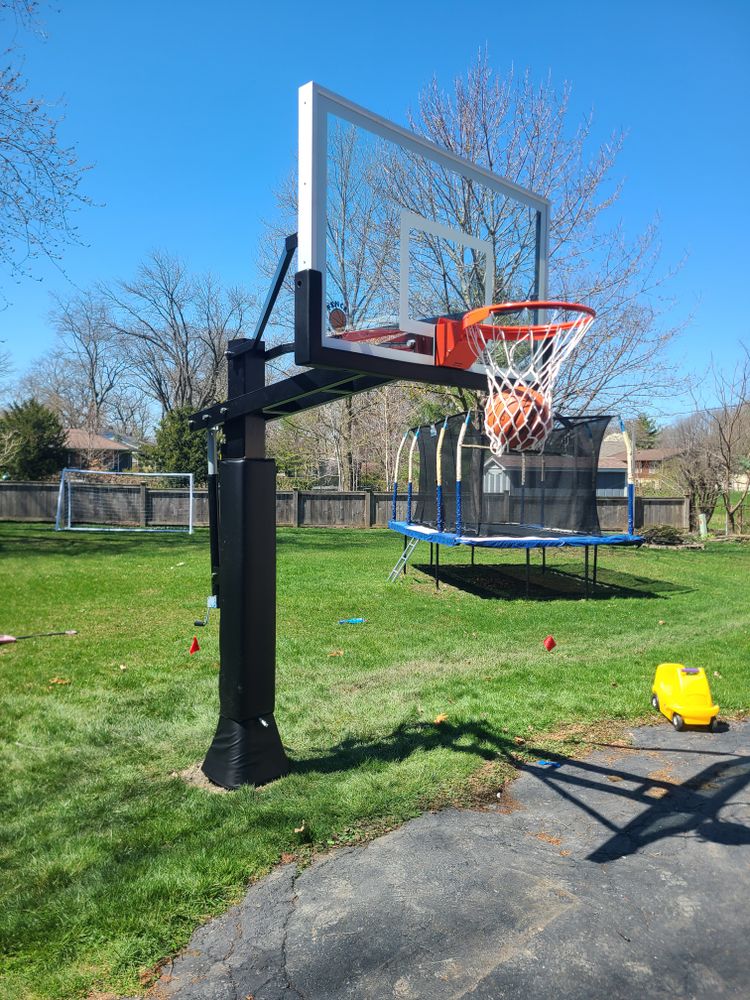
(522, 361)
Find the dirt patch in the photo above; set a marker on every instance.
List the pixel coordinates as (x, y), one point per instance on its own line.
(481, 789)
(194, 776)
(664, 777)
(547, 838)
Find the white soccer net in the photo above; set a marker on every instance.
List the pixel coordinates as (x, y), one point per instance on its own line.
(124, 501)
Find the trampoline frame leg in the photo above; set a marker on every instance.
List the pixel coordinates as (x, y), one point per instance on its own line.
(473, 550)
(544, 559)
(586, 571)
(432, 546)
(528, 570)
(404, 550)
(437, 566)
(593, 578)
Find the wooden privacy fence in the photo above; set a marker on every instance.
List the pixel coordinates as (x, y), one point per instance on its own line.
(319, 509)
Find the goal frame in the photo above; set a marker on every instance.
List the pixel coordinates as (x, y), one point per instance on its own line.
(63, 515)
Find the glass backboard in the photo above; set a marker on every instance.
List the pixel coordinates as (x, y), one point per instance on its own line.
(395, 233)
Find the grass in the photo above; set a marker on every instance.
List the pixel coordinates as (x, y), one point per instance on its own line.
(109, 860)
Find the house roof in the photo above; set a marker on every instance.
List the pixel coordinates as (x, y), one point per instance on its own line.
(655, 454)
(609, 459)
(618, 461)
(78, 439)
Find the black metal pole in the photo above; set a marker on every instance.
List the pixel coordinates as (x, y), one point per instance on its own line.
(402, 552)
(596, 551)
(432, 546)
(473, 549)
(437, 566)
(544, 559)
(586, 571)
(246, 749)
(213, 513)
(528, 570)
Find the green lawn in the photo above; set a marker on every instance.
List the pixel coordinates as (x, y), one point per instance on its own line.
(109, 860)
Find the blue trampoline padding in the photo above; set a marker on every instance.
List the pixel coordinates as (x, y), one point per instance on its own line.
(547, 537)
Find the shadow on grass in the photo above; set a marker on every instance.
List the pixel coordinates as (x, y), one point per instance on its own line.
(472, 738)
(43, 540)
(508, 582)
(672, 809)
(36, 539)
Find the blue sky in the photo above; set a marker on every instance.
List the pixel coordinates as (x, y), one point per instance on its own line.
(187, 112)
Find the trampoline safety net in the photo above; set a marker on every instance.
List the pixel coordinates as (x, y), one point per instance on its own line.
(553, 488)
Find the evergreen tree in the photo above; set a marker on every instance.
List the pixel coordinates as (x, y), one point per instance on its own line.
(177, 448)
(646, 431)
(35, 439)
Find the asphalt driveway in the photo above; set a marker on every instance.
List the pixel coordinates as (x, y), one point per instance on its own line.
(622, 875)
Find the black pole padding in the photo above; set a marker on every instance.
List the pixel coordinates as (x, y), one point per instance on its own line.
(247, 749)
(246, 753)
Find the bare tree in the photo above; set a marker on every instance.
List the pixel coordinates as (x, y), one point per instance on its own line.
(713, 443)
(57, 385)
(39, 176)
(522, 132)
(696, 468)
(84, 378)
(730, 421)
(6, 367)
(173, 331)
(89, 346)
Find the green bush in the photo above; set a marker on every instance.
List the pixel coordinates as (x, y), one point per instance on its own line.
(32, 442)
(663, 534)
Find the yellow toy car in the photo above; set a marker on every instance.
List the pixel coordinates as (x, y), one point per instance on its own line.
(681, 694)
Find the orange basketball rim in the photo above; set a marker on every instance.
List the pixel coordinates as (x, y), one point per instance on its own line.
(521, 361)
(454, 348)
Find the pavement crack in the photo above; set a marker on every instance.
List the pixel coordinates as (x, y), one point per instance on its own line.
(226, 960)
(285, 934)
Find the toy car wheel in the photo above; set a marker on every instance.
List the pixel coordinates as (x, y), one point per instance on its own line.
(678, 722)
(655, 702)
(714, 724)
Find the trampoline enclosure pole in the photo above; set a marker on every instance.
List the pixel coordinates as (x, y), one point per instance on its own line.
(631, 477)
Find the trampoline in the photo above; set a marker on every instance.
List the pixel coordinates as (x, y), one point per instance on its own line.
(523, 500)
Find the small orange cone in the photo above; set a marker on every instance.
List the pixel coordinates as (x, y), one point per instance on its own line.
(194, 647)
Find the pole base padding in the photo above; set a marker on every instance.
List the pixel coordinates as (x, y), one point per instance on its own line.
(246, 753)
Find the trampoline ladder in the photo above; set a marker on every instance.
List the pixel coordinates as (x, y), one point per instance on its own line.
(403, 559)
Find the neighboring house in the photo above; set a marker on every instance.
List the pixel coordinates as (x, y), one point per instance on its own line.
(87, 450)
(649, 465)
(612, 474)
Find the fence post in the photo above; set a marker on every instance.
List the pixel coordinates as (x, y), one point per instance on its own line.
(144, 502)
(295, 508)
(367, 508)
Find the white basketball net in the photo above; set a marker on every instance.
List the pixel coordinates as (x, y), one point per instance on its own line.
(521, 371)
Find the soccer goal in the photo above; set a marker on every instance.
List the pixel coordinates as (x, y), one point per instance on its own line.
(89, 500)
